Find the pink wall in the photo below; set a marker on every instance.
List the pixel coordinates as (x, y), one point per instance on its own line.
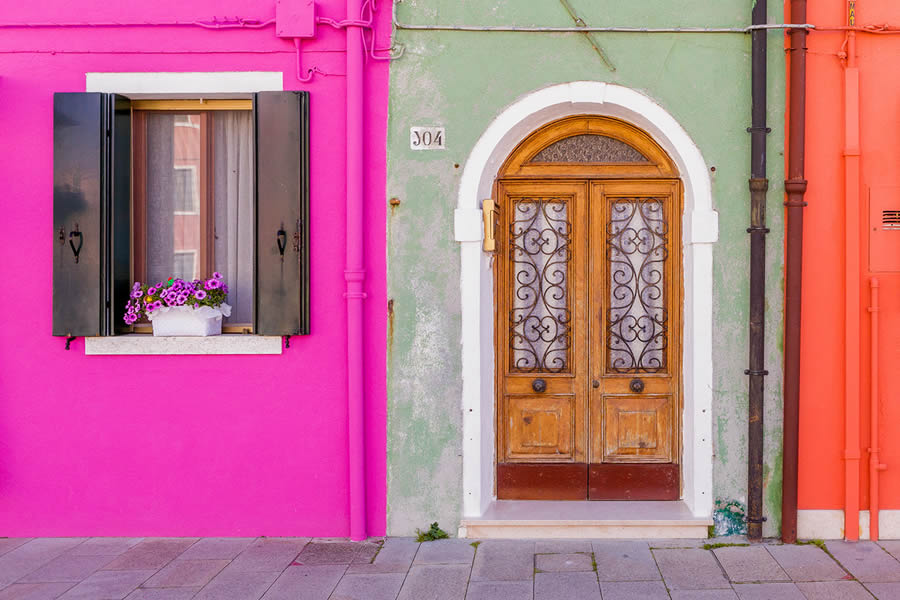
(99, 445)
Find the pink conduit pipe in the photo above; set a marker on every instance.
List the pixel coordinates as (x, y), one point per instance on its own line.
(875, 466)
(355, 273)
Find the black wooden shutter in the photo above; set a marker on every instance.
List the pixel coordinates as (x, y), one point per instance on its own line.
(91, 211)
(282, 213)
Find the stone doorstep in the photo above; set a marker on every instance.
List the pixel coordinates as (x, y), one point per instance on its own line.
(586, 520)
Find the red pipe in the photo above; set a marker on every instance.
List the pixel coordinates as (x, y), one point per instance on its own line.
(852, 399)
(355, 272)
(875, 466)
(795, 186)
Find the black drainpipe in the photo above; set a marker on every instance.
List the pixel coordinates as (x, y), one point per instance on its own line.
(757, 230)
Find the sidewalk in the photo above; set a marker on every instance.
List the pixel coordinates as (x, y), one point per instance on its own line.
(318, 569)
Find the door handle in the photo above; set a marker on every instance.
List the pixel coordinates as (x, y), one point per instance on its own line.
(636, 385)
(595, 384)
(539, 386)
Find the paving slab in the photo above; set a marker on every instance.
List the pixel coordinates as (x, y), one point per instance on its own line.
(892, 547)
(624, 561)
(768, 591)
(268, 555)
(446, 552)
(633, 590)
(885, 591)
(366, 551)
(500, 590)
(435, 582)
(305, 583)
(744, 564)
(162, 594)
(502, 560)
(32, 555)
(232, 584)
(34, 591)
(806, 562)
(383, 586)
(704, 594)
(562, 546)
(186, 573)
(104, 546)
(867, 561)
(328, 553)
(7, 544)
(834, 590)
(108, 585)
(396, 556)
(689, 569)
(67, 568)
(561, 563)
(152, 553)
(566, 586)
(216, 548)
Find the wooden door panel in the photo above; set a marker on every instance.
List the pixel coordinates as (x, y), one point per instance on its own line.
(541, 428)
(541, 346)
(633, 429)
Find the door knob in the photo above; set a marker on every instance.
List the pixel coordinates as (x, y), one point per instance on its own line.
(595, 384)
(636, 385)
(539, 385)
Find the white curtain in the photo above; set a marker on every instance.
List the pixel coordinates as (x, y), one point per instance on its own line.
(233, 190)
(173, 234)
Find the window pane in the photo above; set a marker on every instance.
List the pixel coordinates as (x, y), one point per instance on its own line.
(233, 193)
(173, 218)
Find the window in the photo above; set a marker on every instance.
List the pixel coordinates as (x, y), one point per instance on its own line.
(144, 190)
(193, 197)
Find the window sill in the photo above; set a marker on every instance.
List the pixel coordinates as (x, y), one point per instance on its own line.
(216, 344)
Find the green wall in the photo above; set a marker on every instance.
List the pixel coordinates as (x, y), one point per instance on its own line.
(462, 81)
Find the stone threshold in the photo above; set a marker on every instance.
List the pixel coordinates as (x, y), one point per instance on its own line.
(521, 519)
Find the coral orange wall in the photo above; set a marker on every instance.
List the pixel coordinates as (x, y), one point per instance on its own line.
(822, 406)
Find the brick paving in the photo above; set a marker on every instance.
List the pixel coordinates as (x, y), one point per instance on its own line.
(402, 569)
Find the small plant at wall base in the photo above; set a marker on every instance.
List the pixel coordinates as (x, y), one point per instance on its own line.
(434, 533)
(180, 307)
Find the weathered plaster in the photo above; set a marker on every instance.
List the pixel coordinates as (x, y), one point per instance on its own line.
(462, 81)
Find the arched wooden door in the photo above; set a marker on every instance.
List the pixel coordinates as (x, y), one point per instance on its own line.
(588, 329)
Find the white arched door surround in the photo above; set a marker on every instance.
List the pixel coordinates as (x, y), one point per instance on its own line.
(700, 229)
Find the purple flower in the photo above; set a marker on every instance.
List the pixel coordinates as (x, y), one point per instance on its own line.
(137, 293)
(137, 285)
(199, 294)
(151, 291)
(154, 306)
(213, 284)
(182, 298)
(217, 275)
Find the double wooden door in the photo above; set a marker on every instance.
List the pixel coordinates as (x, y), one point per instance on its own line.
(588, 332)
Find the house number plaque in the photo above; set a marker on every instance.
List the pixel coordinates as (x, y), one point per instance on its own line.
(426, 138)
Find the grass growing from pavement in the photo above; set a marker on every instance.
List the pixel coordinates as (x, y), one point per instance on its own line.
(434, 533)
(714, 546)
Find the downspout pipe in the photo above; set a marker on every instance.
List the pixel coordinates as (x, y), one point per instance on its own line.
(759, 184)
(875, 466)
(795, 187)
(355, 272)
(852, 302)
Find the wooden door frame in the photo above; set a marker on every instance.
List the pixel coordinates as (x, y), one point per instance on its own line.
(499, 138)
(519, 168)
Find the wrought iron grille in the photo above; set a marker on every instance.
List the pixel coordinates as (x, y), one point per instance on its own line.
(589, 148)
(539, 316)
(637, 320)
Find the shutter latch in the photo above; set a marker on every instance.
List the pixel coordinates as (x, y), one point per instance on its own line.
(76, 250)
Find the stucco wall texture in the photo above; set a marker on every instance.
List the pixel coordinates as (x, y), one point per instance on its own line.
(462, 81)
(181, 445)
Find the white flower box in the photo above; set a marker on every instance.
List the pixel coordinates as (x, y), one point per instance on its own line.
(188, 321)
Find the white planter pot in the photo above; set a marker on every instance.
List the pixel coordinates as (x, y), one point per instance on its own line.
(188, 321)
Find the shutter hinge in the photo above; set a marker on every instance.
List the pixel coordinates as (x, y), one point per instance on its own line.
(69, 340)
(490, 213)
